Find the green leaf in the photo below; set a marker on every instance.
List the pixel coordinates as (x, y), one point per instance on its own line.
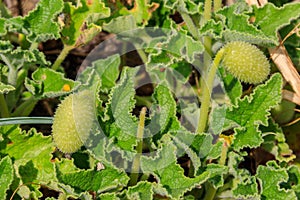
(164, 167)
(252, 111)
(270, 178)
(121, 24)
(183, 141)
(246, 189)
(178, 45)
(103, 180)
(141, 11)
(5, 88)
(108, 71)
(6, 175)
(109, 196)
(82, 21)
(216, 174)
(294, 179)
(164, 110)
(231, 85)
(143, 190)
(49, 83)
(211, 27)
(2, 26)
(270, 18)
(121, 104)
(40, 22)
(32, 154)
(274, 142)
(237, 25)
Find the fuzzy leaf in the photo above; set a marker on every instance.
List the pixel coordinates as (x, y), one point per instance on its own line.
(231, 85)
(216, 174)
(6, 175)
(49, 83)
(121, 104)
(109, 196)
(169, 173)
(93, 180)
(40, 22)
(270, 18)
(108, 71)
(141, 11)
(5, 88)
(143, 190)
(212, 27)
(237, 26)
(2, 26)
(164, 110)
(274, 142)
(81, 21)
(271, 177)
(252, 111)
(32, 154)
(121, 24)
(178, 45)
(246, 189)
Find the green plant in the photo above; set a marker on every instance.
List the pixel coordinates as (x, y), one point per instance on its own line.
(161, 129)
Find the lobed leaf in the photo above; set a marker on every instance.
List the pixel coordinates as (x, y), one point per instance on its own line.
(252, 111)
(40, 22)
(270, 18)
(6, 175)
(170, 174)
(121, 104)
(32, 154)
(49, 83)
(108, 71)
(82, 21)
(5, 88)
(237, 25)
(270, 178)
(93, 180)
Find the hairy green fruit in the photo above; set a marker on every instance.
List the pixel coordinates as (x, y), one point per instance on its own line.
(73, 121)
(246, 62)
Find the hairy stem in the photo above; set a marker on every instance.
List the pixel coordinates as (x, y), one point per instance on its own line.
(206, 92)
(139, 149)
(210, 189)
(63, 54)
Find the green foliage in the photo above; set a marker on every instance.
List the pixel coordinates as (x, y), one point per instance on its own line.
(6, 175)
(178, 44)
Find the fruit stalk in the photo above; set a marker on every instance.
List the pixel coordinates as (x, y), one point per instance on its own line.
(206, 92)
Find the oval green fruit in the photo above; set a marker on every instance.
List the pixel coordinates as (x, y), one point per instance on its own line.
(73, 121)
(284, 112)
(246, 62)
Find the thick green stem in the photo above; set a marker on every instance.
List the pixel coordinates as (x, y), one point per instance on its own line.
(139, 149)
(3, 105)
(63, 54)
(206, 92)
